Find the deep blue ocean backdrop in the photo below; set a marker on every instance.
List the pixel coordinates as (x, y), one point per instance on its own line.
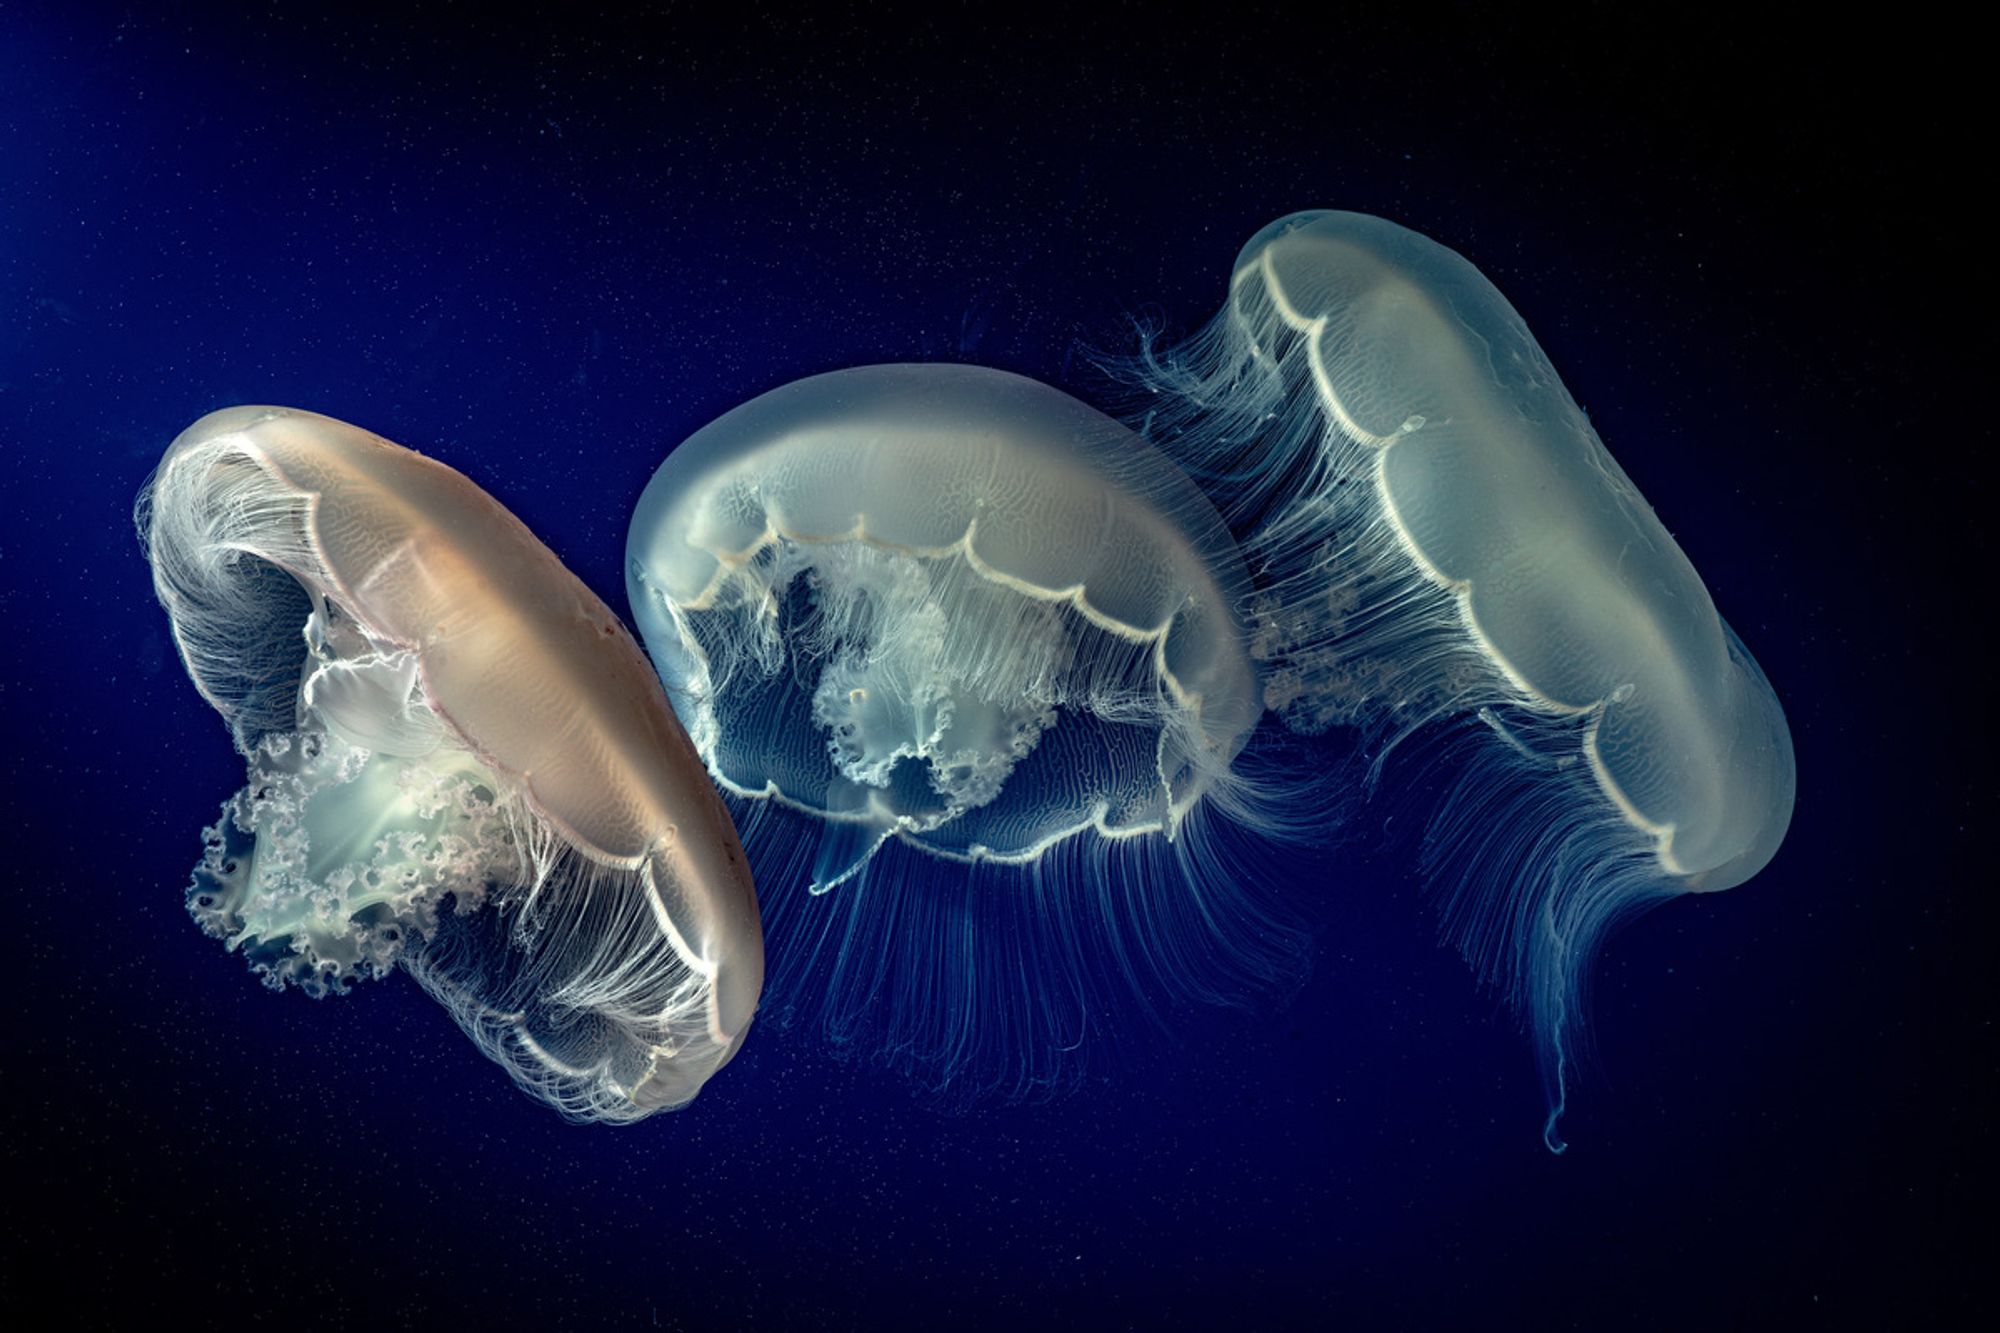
(545, 251)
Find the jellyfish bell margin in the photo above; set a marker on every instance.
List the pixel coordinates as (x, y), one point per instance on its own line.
(980, 650)
(1449, 556)
(460, 764)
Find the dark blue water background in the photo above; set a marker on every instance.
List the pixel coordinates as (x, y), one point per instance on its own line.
(545, 253)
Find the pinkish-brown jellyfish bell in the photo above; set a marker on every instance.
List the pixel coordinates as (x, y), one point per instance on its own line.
(460, 763)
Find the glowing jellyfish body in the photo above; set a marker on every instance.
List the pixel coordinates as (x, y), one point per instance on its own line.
(460, 763)
(917, 616)
(1443, 535)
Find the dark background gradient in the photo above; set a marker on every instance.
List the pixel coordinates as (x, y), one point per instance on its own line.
(546, 252)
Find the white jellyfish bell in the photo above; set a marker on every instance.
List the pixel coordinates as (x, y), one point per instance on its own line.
(1440, 535)
(968, 658)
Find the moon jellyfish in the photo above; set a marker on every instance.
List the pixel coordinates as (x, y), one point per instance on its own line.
(967, 657)
(460, 763)
(1443, 538)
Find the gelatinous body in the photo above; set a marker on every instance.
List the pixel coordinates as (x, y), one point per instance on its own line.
(1442, 535)
(460, 763)
(952, 613)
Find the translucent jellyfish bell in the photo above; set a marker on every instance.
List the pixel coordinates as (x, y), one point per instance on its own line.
(460, 762)
(1444, 536)
(953, 612)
